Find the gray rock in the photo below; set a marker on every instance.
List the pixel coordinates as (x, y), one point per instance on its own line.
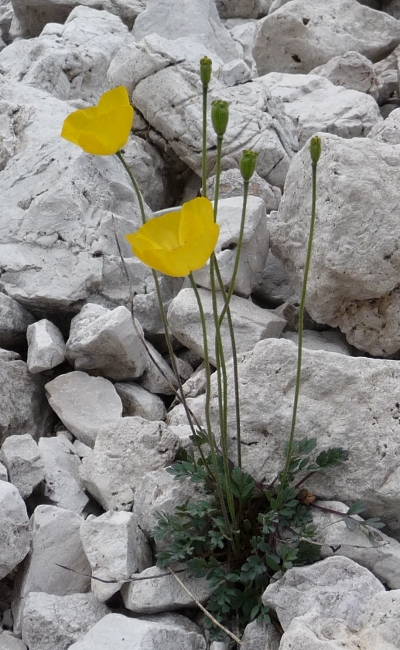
(54, 622)
(158, 376)
(123, 453)
(330, 341)
(315, 104)
(84, 403)
(107, 342)
(231, 184)
(3, 472)
(302, 35)
(138, 401)
(260, 636)
(116, 548)
(61, 469)
(10, 642)
(117, 631)
(55, 541)
(68, 61)
(255, 245)
(387, 82)
(23, 407)
(243, 8)
(160, 592)
(391, 7)
(251, 323)
(328, 589)
(14, 321)
(15, 536)
(21, 456)
(353, 281)
(46, 346)
(350, 70)
(242, 32)
(195, 17)
(274, 286)
(382, 621)
(6, 16)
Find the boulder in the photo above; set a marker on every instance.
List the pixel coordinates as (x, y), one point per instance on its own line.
(139, 401)
(46, 346)
(24, 464)
(243, 8)
(15, 536)
(14, 322)
(350, 70)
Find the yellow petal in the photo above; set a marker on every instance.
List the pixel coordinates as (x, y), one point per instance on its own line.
(163, 231)
(197, 217)
(112, 99)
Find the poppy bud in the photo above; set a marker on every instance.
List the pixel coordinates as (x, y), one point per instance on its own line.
(219, 116)
(315, 149)
(205, 70)
(248, 163)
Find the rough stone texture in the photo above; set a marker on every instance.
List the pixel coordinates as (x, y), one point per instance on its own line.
(243, 8)
(54, 622)
(138, 401)
(123, 453)
(387, 131)
(61, 468)
(171, 632)
(251, 323)
(351, 70)
(382, 621)
(33, 15)
(231, 184)
(162, 593)
(242, 32)
(84, 404)
(330, 341)
(158, 377)
(163, 76)
(23, 406)
(55, 541)
(314, 104)
(354, 276)
(3, 472)
(386, 73)
(195, 17)
(116, 548)
(60, 211)
(260, 636)
(21, 456)
(10, 642)
(68, 61)
(345, 402)
(46, 346)
(107, 342)
(377, 552)
(274, 286)
(255, 245)
(304, 34)
(14, 321)
(391, 7)
(328, 589)
(15, 535)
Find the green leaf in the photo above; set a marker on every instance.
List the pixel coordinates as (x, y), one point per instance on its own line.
(273, 561)
(356, 508)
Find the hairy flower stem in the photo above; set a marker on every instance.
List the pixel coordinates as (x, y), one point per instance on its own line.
(217, 175)
(211, 439)
(289, 450)
(204, 147)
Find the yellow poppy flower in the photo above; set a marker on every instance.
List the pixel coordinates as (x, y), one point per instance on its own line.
(178, 242)
(103, 129)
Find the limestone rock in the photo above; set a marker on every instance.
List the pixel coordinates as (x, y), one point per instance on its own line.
(10, 642)
(255, 245)
(353, 282)
(328, 589)
(14, 321)
(261, 636)
(116, 548)
(107, 342)
(54, 622)
(391, 7)
(382, 621)
(138, 401)
(274, 286)
(330, 341)
(158, 376)
(231, 184)
(46, 346)
(251, 323)
(123, 453)
(84, 403)
(350, 70)
(243, 8)
(21, 456)
(302, 34)
(315, 104)
(15, 536)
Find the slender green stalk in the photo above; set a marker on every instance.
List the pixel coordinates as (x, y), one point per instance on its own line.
(315, 153)
(204, 147)
(135, 186)
(217, 175)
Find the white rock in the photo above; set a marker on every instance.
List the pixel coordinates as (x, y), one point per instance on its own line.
(345, 402)
(328, 589)
(382, 622)
(46, 346)
(116, 548)
(84, 403)
(10, 642)
(138, 401)
(123, 453)
(330, 341)
(68, 61)
(21, 456)
(158, 376)
(315, 104)
(54, 622)
(302, 35)
(251, 323)
(116, 631)
(14, 321)
(255, 244)
(242, 32)
(61, 468)
(231, 184)
(243, 8)
(55, 540)
(33, 16)
(260, 635)
(274, 286)
(3, 472)
(378, 553)
(108, 342)
(15, 535)
(23, 407)
(147, 310)
(310, 633)
(350, 70)
(387, 131)
(162, 593)
(353, 281)
(190, 17)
